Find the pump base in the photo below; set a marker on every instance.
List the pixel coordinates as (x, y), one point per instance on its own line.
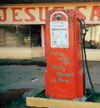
(80, 99)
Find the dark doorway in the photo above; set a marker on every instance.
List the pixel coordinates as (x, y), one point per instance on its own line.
(35, 35)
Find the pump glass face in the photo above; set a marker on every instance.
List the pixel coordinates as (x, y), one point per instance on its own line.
(59, 34)
(59, 38)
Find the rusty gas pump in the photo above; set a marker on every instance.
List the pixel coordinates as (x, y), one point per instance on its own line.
(64, 46)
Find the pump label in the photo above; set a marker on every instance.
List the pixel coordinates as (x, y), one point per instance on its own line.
(59, 24)
(59, 34)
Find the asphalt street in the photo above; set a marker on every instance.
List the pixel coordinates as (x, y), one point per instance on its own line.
(32, 76)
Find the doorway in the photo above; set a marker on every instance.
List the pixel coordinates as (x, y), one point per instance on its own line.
(35, 35)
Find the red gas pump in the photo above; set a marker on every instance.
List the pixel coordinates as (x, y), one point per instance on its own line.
(64, 76)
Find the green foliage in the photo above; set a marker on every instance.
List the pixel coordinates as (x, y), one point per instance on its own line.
(13, 105)
(22, 62)
(95, 98)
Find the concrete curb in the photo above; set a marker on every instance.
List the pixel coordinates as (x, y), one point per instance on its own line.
(32, 93)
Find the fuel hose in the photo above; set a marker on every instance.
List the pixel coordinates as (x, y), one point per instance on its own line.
(83, 31)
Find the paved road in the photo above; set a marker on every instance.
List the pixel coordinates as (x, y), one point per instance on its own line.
(94, 68)
(18, 77)
(32, 76)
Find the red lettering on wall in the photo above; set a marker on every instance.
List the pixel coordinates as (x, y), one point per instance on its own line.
(95, 12)
(58, 8)
(78, 8)
(4, 14)
(41, 13)
(15, 14)
(32, 18)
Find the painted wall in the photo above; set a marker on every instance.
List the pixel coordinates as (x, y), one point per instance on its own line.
(21, 53)
(35, 13)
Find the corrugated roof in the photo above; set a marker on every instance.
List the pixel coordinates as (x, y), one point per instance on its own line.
(43, 1)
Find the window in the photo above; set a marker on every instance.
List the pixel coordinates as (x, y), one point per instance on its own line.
(20, 35)
(93, 37)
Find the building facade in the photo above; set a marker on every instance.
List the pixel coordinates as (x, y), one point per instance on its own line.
(22, 26)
